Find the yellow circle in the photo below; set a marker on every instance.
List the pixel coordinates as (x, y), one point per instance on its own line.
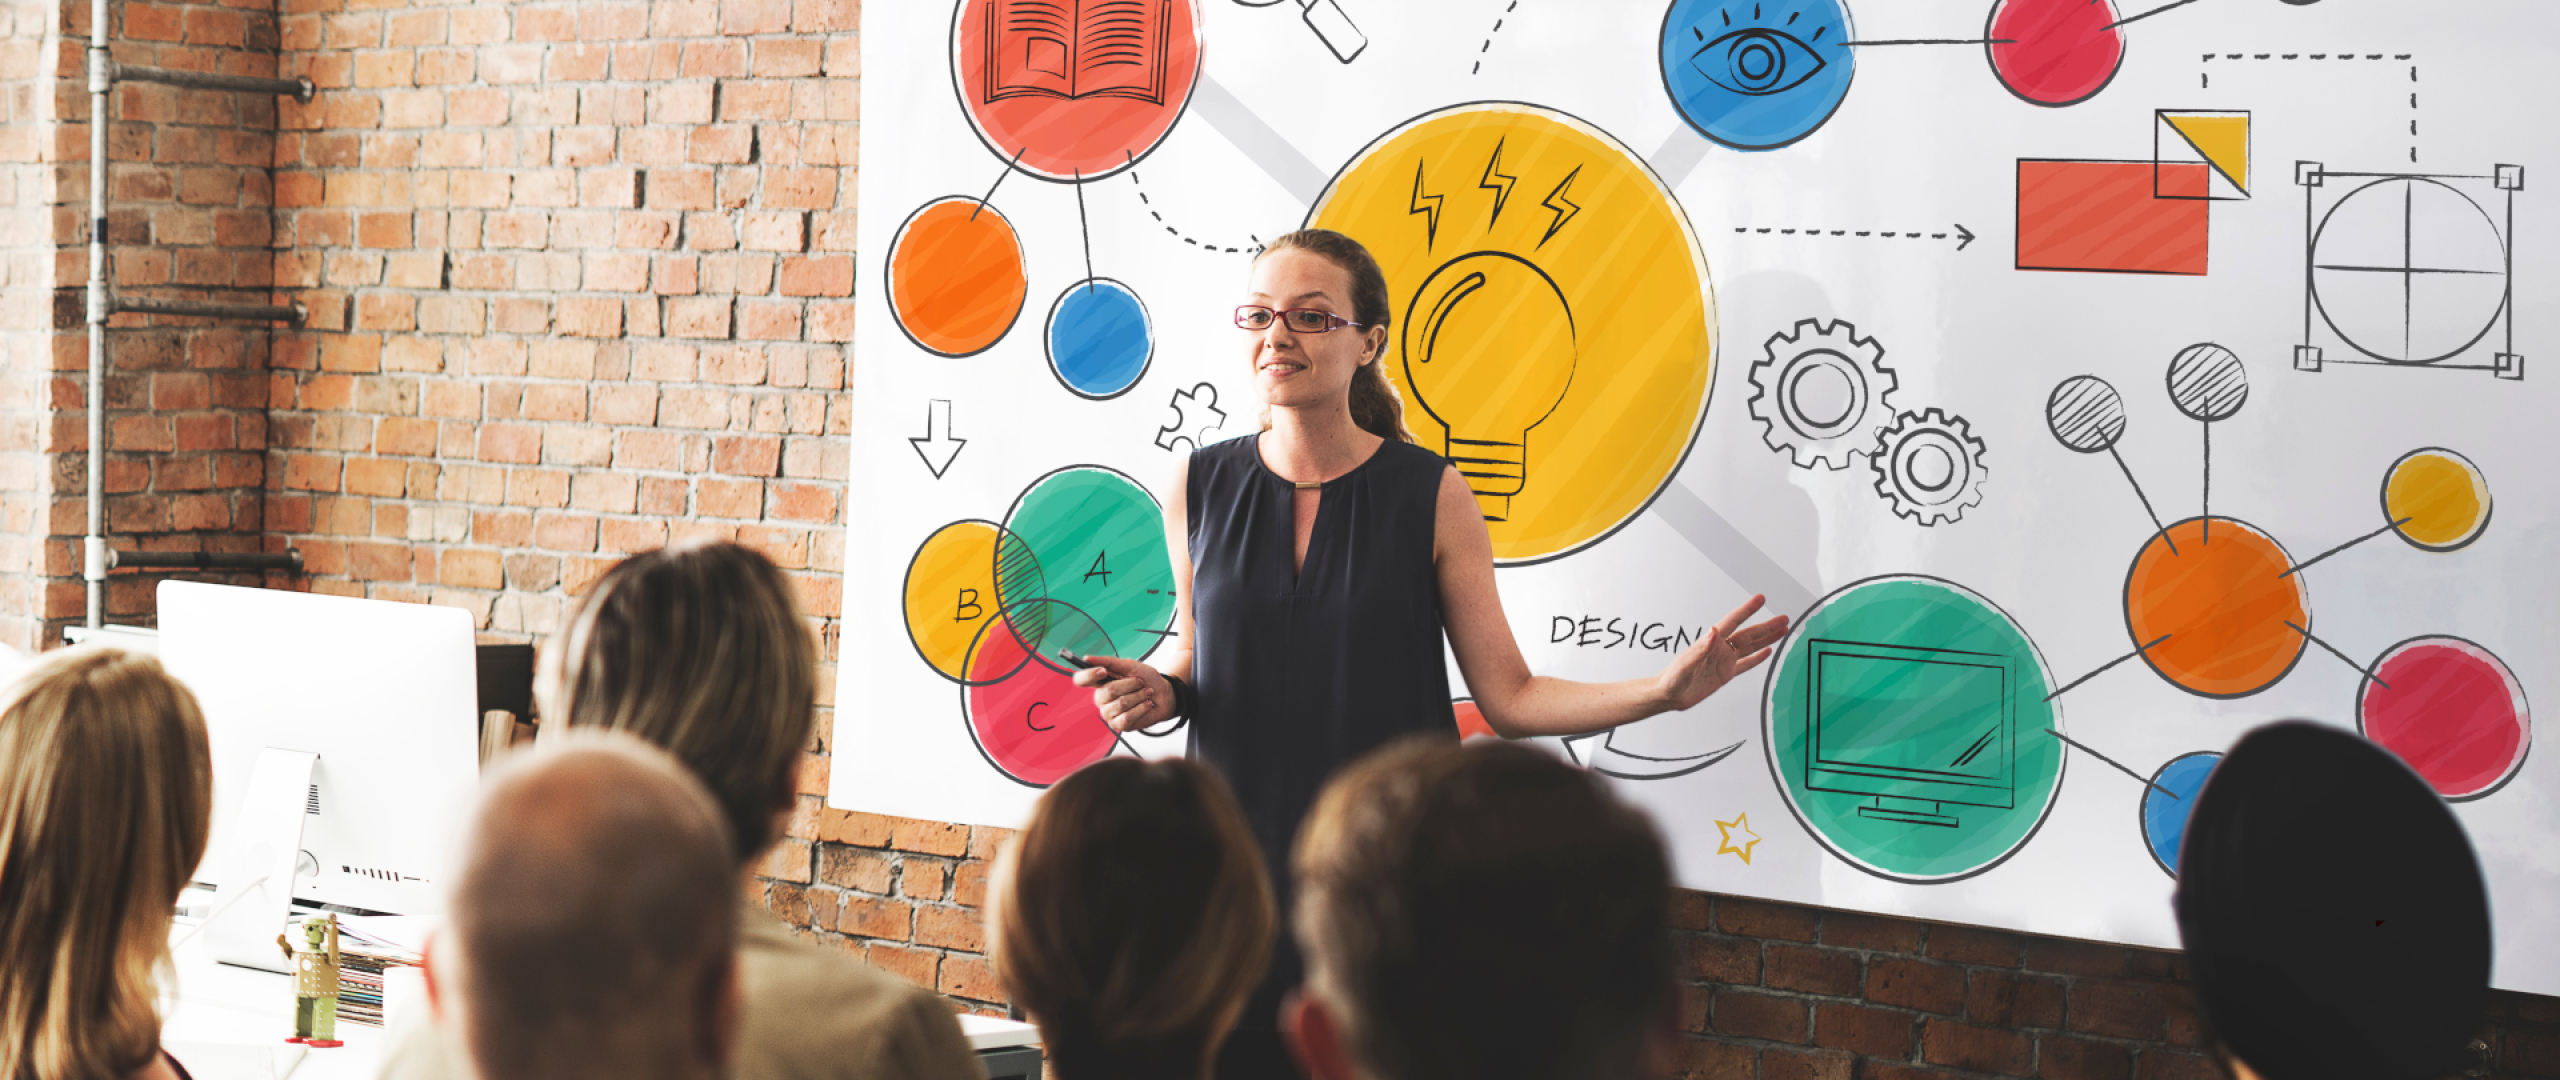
(2436, 498)
(951, 592)
(1555, 327)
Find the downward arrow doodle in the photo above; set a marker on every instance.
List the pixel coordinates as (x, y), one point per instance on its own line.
(1962, 236)
(936, 446)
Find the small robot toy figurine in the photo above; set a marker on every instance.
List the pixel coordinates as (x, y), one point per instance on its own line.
(315, 982)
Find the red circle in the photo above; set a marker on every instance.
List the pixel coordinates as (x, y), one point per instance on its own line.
(1030, 719)
(1080, 94)
(2055, 52)
(2451, 710)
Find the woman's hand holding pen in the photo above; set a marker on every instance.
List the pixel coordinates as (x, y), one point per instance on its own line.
(1130, 694)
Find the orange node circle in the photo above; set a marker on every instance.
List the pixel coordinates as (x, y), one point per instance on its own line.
(2218, 591)
(956, 277)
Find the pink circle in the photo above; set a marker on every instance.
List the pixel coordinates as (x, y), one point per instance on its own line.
(2055, 52)
(2451, 710)
(1030, 719)
(1074, 92)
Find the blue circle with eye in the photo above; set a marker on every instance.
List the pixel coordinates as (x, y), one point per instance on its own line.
(1757, 74)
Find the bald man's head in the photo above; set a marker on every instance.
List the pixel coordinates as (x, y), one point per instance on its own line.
(594, 922)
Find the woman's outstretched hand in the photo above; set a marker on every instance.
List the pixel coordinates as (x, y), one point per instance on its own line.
(1729, 650)
(1130, 694)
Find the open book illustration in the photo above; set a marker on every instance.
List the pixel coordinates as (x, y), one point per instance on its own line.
(1077, 48)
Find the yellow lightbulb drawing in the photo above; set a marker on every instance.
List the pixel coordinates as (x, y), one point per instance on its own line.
(1489, 351)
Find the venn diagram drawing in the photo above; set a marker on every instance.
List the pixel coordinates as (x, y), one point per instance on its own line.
(1077, 566)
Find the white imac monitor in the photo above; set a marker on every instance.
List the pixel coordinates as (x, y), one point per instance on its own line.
(345, 738)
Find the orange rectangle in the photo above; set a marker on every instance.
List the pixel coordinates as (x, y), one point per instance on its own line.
(2102, 216)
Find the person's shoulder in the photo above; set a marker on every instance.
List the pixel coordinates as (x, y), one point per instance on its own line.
(813, 1011)
(1223, 453)
(1412, 459)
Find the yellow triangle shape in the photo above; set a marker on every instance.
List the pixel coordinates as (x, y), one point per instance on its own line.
(2223, 140)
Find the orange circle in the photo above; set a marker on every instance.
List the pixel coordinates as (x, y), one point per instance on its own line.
(2218, 591)
(956, 280)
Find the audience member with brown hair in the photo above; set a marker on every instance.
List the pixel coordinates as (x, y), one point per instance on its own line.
(700, 649)
(1131, 918)
(594, 921)
(1481, 912)
(105, 799)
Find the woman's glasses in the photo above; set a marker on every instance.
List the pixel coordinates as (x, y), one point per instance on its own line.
(1298, 320)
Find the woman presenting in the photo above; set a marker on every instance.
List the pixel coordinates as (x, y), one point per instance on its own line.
(1317, 567)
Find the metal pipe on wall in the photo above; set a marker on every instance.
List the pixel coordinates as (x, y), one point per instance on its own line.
(299, 89)
(93, 545)
(96, 558)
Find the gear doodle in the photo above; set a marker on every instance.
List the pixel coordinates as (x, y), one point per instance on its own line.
(1186, 426)
(1928, 464)
(1817, 432)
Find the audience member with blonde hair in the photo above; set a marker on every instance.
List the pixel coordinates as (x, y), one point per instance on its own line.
(1482, 911)
(699, 649)
(105, 798)
(593, 925)
(1131, 918)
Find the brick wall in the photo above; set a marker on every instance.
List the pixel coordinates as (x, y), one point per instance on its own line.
(189, 217)
(27, 132)
(580, 286)
(1781, 992)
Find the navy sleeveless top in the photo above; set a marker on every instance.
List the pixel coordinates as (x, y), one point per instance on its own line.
(1300, 672)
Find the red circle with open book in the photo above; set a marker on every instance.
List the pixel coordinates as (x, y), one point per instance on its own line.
(1073, 90)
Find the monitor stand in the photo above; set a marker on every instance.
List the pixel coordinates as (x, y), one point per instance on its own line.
(1908, 811)
(256, 889)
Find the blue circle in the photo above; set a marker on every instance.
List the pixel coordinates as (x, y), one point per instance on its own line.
(1099, 338)
(2164, 820)
(1757, 74)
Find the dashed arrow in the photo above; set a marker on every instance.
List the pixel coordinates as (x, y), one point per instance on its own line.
(936, 446)
(1961, 235)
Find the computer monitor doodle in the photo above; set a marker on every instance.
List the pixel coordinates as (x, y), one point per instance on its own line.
(1916, 729)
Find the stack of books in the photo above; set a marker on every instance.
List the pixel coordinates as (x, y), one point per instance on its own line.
(362, 959)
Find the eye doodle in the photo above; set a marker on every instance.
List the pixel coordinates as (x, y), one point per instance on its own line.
(1757, 61)
(1757, 74)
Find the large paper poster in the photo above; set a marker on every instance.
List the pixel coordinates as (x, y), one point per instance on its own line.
(2093, 381)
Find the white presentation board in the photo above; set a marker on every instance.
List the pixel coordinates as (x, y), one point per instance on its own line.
(2094, 380)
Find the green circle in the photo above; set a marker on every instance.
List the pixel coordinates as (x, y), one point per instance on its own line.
(1907, 724)
(1095, 541)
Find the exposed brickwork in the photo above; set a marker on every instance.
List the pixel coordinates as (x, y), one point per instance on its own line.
(576, 272)
(1780, 992)
(189, 217)
(28, 133)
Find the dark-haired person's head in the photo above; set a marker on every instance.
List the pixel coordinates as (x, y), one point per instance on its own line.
(2333, 913)
(1130, 918)
(699, 649)
(1481, 911)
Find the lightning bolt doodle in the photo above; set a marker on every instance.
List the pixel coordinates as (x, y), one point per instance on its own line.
(1498, 183)
(1565, 208)
(1427, 205)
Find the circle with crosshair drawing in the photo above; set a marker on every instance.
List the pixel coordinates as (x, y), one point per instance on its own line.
(1908, 723)
(1553, 323)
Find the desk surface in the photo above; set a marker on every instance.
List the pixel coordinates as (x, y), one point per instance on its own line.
(226, 1012)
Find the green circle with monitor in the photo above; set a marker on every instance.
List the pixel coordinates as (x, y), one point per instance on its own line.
(1907, 724)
